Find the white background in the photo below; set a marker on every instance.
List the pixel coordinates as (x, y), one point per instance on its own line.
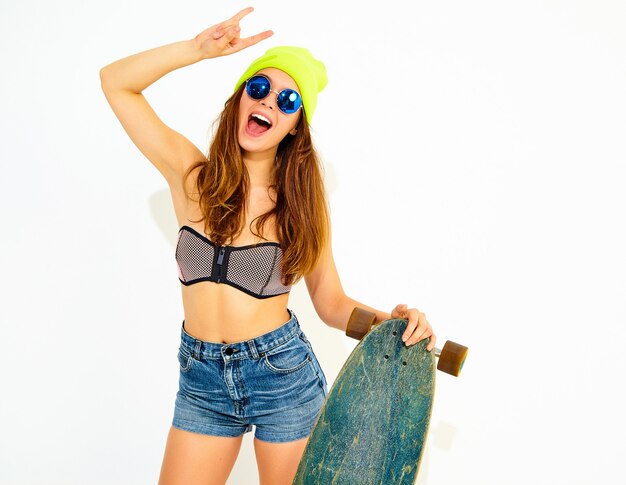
(474, 154)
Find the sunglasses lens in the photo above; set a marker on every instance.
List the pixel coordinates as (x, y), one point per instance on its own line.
(288, 101)
(258, 87)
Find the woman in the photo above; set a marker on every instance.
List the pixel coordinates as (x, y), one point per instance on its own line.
(260, 198)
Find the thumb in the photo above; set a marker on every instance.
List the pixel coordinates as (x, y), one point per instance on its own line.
(399, 309)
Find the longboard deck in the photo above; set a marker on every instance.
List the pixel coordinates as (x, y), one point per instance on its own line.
(374, 423)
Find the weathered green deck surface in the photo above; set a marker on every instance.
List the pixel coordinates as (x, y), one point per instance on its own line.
(374, 422)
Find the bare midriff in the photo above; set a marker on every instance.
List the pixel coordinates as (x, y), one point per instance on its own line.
(220, 313)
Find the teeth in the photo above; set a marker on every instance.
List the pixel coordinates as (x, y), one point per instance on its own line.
(261, 117)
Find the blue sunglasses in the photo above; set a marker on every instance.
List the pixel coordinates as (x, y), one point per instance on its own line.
(288, 100)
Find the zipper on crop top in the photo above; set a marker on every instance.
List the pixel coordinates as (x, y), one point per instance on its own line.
(220, 261)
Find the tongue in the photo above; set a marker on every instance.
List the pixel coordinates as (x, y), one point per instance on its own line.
(256, 128)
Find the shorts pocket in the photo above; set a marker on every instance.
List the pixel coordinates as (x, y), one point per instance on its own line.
(288, 357)
(184, 358)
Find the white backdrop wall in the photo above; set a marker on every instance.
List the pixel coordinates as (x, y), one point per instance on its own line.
(474, 154)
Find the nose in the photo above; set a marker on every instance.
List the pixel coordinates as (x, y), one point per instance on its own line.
(269, 100)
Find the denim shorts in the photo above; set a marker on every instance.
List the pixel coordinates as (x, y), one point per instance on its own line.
(273, 382)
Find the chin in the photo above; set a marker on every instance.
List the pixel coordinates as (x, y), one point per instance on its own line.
(250, 145)
(260, 144)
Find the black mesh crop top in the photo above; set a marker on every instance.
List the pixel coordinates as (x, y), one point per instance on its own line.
(254, 269)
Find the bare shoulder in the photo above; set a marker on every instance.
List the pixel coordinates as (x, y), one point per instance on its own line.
(188, 158)
(184, 192)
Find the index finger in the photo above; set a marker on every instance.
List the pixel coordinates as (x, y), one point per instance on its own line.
(234, 20)
(411, 325)
(238, 16)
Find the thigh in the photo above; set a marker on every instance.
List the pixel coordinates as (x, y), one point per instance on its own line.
(194, 458)
(278, 462)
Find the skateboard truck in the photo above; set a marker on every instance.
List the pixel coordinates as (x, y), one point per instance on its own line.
(450, 359)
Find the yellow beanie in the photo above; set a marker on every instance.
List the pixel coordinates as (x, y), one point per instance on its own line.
(308, 72)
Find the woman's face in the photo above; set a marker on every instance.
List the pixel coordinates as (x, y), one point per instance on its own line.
(281, 123)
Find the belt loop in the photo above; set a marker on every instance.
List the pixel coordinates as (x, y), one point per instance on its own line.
(293, 316)
(197, 350)
(255, 354)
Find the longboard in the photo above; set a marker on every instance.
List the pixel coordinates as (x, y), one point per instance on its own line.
(374, 422)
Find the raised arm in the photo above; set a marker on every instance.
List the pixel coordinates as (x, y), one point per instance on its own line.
(124, 80)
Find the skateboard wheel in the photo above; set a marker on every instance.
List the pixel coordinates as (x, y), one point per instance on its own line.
(360, 322)
(452, 358)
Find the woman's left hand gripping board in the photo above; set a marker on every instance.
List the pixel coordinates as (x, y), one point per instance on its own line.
(417, 328)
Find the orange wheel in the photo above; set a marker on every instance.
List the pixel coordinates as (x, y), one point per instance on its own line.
(360, 322)
(452, 358)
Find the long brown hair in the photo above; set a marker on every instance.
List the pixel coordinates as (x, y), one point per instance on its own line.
(301, 211)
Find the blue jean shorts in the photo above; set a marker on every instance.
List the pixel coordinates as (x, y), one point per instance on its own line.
(273, 382)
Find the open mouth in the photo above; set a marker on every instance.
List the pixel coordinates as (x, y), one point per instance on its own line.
(258, 124)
